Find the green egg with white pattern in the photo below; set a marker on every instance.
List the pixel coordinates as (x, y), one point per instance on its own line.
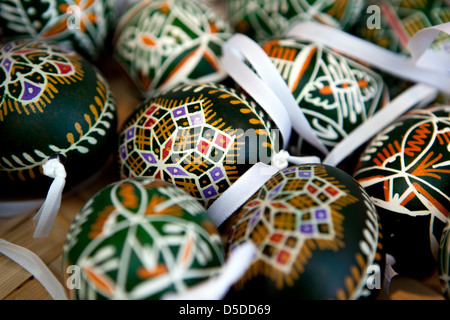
(335, 93)
(138, 239)
(160, 44)
(52, 102)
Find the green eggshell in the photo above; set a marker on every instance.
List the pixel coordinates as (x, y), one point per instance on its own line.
(444, 261)
(82, 26)
(201, 137)
(406, 171)
(335, 93)
(399, 20)
(138, 239)
(163, 43)
(263, 19)
(317, 237)
(52, 101)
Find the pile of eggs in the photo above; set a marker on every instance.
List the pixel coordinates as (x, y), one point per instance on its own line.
(319, 232)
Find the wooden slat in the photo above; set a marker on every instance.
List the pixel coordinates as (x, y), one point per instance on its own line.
(31, 289)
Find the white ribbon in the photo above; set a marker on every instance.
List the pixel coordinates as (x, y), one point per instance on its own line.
(34, 265)
(216, 288)
(272, 93)
(411, 97)
(249, 183)
(257, 89)
(10, 209)
(421, 41)
(46, 215)
(395, 64)
(389, 273)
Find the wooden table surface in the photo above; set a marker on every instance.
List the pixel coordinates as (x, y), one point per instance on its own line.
(17, 284)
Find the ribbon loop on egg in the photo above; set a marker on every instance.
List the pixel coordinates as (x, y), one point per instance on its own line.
(46, 215)
(258, 89)
(283, 104)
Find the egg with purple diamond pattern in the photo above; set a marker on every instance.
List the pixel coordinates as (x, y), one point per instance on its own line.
(200, 137)
(317, 236)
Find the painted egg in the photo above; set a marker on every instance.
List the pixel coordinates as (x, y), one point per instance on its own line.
(391, 24)
(263, 19)
(163, 43)
(79, 25)
(139, 239)
(317, 237)
(335, 93)
(52, 101)
(200, 137)
(406, 171)
(444, 261)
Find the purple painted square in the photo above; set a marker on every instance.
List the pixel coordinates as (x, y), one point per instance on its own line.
(321, 214)
(255, 218)
(149, 157)
(289, 170)
(8, 47)
(209, 192)
(275, 191)
(176, 171)
(304, 174)
(130, 133)
(306, 228)
(179, 112)
(216, 173)
(7, 64)
(123, 152)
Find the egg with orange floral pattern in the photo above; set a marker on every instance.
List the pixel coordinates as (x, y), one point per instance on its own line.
(406, 170)
(138, 239)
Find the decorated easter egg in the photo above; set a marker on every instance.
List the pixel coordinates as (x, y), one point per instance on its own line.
(200, 137)
(79, 25)
(406, 170)
(317, 237)
(263, 19)
(444, 261)
(163, 43)
(52, 102)
(139, 239)
(335, 93)
(391, 24)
